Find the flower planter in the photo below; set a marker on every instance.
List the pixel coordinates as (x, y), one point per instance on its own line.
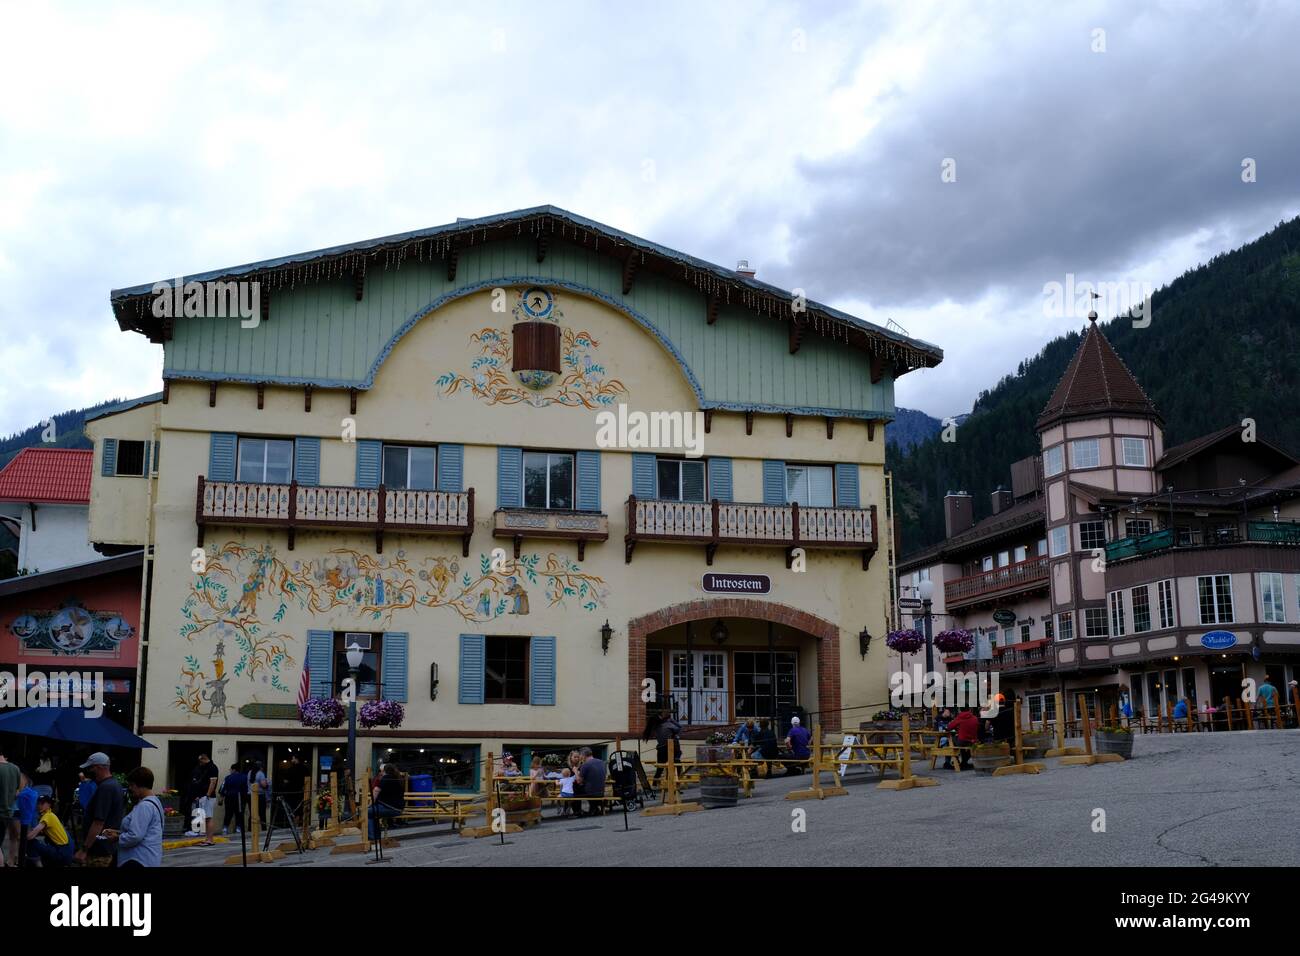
(525, 811)
(173, 826)
(713, 753)
(1122, 744)
(988, 759)
(719, 790)
(1035, 744)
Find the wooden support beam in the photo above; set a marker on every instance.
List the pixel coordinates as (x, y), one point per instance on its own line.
(871, 430)
(212, 394)
(749, 422)
(261, 395)
(797, 329)
(518, 542)
(541, 248)
(582, 549)
(167, 391)
(830, 428)
(352, 401)
(789, 425)
(453, 257)
(629, 271)
(358, 284)
(708, 420)
(715, 303)
(877, 369)
(306, 398)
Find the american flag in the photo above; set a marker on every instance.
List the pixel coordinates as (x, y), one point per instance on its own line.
(304, 685)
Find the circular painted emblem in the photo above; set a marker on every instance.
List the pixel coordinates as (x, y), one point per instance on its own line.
(536, 379)
(117, 629)
(24, 626)
(71, 628)
(537, 303)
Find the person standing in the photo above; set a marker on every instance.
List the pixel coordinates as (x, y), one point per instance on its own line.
(139, 842)
(667, 734)
(26, 816)
(295, 777)
(105, 814)
(10, 784)
(234, 792)
(257, 784)
(1266, 696)
(56, 849)
(203, 795)
(389, 798)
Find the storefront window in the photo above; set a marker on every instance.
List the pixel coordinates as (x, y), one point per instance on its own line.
(754, 682)
(446, 766)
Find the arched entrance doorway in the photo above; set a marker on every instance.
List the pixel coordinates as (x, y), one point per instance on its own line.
(716, 661)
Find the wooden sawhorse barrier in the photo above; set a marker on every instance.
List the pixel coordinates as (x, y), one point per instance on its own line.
(493, 805)
(830, 757)
(1060, 750)
(254, 826)
(1088, 758)
(672, 794)
(1020, 766)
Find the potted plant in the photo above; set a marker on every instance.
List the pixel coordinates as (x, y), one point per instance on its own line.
(891, 720)
(955, 640)
(374, 713)
(324, 803)
(522, 809)
(906, 641)
(714, 749)
(324, 713)
(1036, 743)
(988, 757)
(1114, 739)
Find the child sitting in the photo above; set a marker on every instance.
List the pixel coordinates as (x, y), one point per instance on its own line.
(567, 801)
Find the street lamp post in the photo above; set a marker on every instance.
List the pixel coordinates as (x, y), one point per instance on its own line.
(355, 658)
(926, 590)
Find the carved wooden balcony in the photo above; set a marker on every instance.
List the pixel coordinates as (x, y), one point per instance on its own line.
(1027, 575)
(580, 526)
(326, 507)
(712, 523)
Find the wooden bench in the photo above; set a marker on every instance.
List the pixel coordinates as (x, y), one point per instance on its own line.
(440, 806)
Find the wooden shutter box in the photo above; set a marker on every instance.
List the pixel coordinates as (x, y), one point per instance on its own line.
(536, 347)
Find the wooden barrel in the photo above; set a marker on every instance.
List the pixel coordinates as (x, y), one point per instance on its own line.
(719, 791)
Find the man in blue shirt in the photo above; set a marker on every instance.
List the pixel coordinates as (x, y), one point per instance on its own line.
(798, 740)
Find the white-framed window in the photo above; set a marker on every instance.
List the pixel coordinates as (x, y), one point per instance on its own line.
(1165, 591)
(987, 563)
(1085, 453)
(1094, 622)
(411, 467)
(1060, 538)
(812, 486)
(1135, 452)
(1092, 535)
(1004, 558)
(1141, 609)
(680, 479)
(548, 480)
(1134, 527)
(1272, 603)
(1048, 630)
(1117, 622)
(266, 460)
(1021, 553)
(1024, 632)
(1065, 626)
(1053, 461)
(1215, 595)
(1008, 636)
(925, 574)
(1042, 547)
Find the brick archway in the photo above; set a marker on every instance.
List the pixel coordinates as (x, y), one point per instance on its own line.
(826, 634)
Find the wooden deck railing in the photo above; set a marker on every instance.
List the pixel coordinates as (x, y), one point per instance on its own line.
(293, 506)
(1014, 577)
(715, 522)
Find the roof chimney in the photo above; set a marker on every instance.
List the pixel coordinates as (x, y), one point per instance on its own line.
(1001, 500)
(742, 266)
(957, 513)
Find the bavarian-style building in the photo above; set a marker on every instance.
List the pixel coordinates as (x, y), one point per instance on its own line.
(402, 450)
(1119, 568)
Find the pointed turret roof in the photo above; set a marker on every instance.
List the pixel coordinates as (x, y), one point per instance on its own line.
(1096, 383)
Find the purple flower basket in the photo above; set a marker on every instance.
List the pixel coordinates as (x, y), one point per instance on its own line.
(907, 641)
(375, 713)
(955, 641)
(325, 713)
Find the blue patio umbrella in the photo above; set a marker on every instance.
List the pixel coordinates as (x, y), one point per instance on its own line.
(74, 724)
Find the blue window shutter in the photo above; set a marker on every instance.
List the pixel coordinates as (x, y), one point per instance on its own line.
(510, 477)
(451, 467)
(320, 658)
(720, 479)
(147, 448)
(394, 671)
(846, 485)
(306, 461)
(155, 457)
(644, 480)
(588, 465)
(221, 456)
(108, 467)
(774, 483)
(369, 455)
(472, 659)
(541, 672)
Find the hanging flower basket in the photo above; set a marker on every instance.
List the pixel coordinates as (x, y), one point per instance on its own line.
(325, 713)
(374, 713)
(958, 640)
(907, 641)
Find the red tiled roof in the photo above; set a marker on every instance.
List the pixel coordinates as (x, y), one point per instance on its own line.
(1096, 383)
(49, 475)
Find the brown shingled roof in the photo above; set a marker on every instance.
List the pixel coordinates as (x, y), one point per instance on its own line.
(1097, 382)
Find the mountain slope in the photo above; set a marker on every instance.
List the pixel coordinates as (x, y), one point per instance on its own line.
(1223, 345)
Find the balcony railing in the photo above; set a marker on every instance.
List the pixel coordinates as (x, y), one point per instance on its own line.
(1286, 533)
(1021, 576)
(712, 523)
(293, 506)
(1023, 655)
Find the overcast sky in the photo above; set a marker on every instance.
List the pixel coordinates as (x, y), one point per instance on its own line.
(139, 142)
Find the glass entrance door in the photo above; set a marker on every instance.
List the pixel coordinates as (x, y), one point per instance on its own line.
(699, 686)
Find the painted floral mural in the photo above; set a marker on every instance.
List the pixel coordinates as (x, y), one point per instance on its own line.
(582, 383)
(245, 592)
